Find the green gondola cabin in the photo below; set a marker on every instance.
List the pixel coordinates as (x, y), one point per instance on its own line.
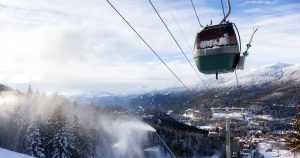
(217, 49)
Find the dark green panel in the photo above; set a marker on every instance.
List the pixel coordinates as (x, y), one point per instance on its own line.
(220, 63)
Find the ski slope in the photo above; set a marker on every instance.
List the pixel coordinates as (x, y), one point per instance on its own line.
(11, 154)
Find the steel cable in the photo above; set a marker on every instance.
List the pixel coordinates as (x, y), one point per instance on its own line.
(152, 50)
(177, 43)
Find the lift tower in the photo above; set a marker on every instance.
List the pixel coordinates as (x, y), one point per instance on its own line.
(227, 114)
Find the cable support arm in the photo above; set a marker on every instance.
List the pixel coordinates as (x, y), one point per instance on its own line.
(246, 52)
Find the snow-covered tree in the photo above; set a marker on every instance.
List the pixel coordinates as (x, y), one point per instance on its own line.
(34, 145)
(294, 141)
(80, 142)
(16, 130)
(59, 142)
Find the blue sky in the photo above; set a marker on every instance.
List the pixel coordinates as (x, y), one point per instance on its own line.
(82, 46)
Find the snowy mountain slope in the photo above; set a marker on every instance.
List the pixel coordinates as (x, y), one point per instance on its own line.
(275, 73)
(10, 154)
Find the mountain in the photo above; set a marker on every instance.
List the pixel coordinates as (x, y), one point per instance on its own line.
(265, 82)
(277, 82)
(269, 74)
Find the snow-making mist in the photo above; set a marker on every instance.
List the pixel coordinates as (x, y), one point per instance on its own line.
(129, 137)
(46, 126)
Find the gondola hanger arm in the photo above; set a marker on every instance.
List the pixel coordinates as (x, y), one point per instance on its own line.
(228, 12)
(246, 52)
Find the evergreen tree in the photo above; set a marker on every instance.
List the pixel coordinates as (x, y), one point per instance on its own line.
(3, 132)
(29, 90)
(47, 133)
(34, 145)
(294, 141)
(79, 140)
(59, 142)
(16, 130)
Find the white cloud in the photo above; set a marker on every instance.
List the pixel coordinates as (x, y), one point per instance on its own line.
(259, 2)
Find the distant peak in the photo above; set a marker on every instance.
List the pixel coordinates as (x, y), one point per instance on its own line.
(280, 65)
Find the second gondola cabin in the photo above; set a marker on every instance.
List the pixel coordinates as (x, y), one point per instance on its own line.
(217, 49)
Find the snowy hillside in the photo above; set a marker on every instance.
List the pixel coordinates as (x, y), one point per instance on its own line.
(275, 73)
(10, 154)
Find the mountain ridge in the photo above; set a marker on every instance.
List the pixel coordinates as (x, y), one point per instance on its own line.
(252, 83)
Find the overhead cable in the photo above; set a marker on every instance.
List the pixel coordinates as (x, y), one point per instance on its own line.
(184, 54)
(180, 29)
(152, 50)
(196, 13)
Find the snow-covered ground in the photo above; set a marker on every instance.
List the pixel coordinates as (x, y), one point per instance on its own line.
(269, 152)
(206, 127)
(279, 154)
(10, 154)
(264, 117)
